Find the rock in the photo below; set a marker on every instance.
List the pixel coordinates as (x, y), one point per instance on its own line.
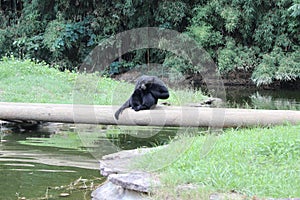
(64, 194)
(121, 162)
(138, 181)
(188, 186)
(210, 102)
(110, 191)
(224, 196)
(213, 101)
(124, 183)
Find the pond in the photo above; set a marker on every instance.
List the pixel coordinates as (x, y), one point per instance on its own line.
(35, 171)
(59, 159)
(62, 159)
(279, 99)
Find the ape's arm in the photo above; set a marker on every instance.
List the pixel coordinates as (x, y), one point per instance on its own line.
(159, 91)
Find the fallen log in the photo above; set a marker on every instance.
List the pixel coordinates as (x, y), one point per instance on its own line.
(160, 116)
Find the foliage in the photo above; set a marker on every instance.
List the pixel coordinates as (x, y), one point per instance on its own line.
(170, 14)
(238, 35)
(233, 57)
(295, 10)
(68, 39)
(248, 34)
(206, 36)
(277, 66)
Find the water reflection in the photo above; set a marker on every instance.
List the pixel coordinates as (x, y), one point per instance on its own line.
(57, 154)
(263, 99)
(13, 146)
(260, 101)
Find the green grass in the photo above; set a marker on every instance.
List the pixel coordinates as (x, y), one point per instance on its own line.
(263, 162)
(26, 81)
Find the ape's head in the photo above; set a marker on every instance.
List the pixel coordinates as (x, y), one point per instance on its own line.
(143, 86)
(144, 82)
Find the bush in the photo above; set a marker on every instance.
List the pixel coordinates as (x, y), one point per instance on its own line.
(263, 39)
(278, 66)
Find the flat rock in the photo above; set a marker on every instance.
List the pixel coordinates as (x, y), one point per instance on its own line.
(121, 162)
(110, 191)
(137, 181)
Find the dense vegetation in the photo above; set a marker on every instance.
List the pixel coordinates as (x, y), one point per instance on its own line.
(259, 37)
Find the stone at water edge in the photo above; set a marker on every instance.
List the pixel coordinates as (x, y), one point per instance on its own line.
(137, 181)
(110, 191)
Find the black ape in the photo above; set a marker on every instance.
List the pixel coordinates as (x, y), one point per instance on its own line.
(148, 90)
(142, 100)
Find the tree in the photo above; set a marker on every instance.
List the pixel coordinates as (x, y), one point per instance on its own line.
(250, 35)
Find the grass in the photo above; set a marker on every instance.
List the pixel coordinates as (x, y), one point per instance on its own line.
(25, 81)
(262, 162)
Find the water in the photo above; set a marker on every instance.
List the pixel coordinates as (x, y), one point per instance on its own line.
(63, 158)
(263, 99)
(35, 171)
(45, 163)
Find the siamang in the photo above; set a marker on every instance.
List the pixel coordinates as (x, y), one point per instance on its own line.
(148, 90)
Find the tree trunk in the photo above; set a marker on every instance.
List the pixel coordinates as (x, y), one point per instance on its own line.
(160, 116)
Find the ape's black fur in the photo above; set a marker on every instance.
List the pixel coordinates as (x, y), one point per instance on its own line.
(142, 100)
(148, 90)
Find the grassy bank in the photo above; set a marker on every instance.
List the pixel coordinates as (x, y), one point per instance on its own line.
(261, 162)
(25, 81)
